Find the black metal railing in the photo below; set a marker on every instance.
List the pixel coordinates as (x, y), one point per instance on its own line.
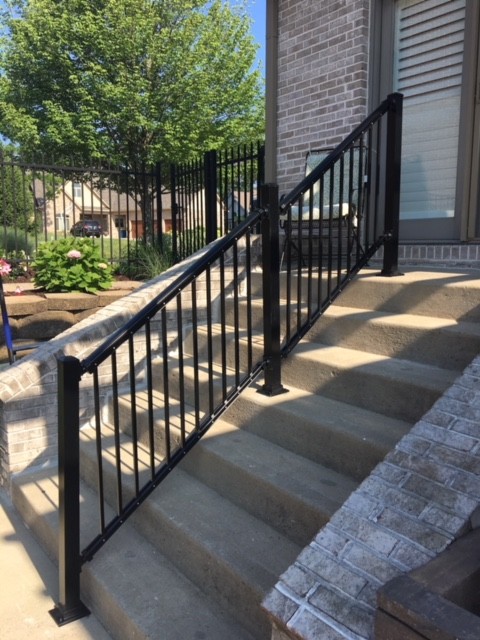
(162, 380)
(337, 218)
(214, 193)
(154, 388)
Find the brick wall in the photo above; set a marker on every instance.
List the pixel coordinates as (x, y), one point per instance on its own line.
(28, 390)
(322, 85)
(413, 506)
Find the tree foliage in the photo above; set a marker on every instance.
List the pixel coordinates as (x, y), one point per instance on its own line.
(17, 206)
(135, 81)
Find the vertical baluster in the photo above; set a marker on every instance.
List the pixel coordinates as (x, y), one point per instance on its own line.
(151, 430)
(98, 448)
(166, 386)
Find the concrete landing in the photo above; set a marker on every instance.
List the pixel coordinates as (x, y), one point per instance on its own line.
(28, 587)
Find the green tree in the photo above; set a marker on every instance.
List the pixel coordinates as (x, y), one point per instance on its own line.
(17, 206)
(128, 81)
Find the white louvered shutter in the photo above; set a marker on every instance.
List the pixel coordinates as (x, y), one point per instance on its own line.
(429, 38)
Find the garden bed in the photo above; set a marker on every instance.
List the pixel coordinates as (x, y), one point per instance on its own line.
(36, 315)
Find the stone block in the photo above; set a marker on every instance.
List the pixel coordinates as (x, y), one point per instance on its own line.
(44, 325)
(25, 305)
(73, 301)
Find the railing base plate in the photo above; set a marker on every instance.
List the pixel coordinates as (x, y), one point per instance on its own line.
(391, 273)
(63, 616)
(267, 390)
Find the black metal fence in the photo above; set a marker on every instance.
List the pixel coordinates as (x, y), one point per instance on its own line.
(178, 208)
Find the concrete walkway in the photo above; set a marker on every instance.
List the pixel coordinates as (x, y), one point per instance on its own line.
(28, 587)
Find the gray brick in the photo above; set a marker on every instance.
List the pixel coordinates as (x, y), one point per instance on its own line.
(331, 541)
(280, 606)
(444, 520)
(421, 466)
(445, 497)
(390, 473)
(299, 579)
(454, 458)
(411, 529)
(364, 531)
(467, 483)
(400, 500)
(438, 418)
(308, 625)
(329, 570)
(371, 564)
(448, 437)
(410, 555)
(356, 617)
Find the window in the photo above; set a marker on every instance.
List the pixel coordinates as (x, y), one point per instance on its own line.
(77, 190)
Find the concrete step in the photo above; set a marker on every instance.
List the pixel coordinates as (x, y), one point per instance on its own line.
(234, 557)
(332, 433)
(131, 586)
(434, 293)
(293, 494)
(441, 342)
(442, 293)
(401, 389)
(396, 387)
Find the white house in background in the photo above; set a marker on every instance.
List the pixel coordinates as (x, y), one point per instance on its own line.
(118, 213)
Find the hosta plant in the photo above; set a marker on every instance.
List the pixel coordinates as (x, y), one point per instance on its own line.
(71, 264)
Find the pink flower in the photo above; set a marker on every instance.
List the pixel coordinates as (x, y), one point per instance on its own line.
(5, 267)
(74, 254)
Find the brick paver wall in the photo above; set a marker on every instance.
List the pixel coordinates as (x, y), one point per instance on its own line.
(322, 85)
(28, 390)
(413, 505)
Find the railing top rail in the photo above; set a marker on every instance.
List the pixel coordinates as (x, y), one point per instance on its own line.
(329, 161)
(91, 362)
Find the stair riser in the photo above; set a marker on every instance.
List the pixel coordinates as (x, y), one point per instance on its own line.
(449, 347)
(363, 386)
(427, 297)
(446, 348)
(293, 518)
(309, 438)
(421, 298)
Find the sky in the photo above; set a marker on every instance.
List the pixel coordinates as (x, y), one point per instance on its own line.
(257, 11)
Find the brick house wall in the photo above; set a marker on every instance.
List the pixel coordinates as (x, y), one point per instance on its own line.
(322, 84)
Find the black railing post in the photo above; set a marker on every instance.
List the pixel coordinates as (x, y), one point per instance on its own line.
(271, 290)
(210, 167)
(174, 208)
(69, 607)
(158, 191)
(392, 184)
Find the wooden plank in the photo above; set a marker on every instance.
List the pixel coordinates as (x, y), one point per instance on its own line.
(426, 612)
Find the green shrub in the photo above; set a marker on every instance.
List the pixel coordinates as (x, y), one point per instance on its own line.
(71, 264)
(14, 243)
(144, 262)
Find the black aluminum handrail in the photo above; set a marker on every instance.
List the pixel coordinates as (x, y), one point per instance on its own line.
(337, 218)
(149, 356)
(187, 414)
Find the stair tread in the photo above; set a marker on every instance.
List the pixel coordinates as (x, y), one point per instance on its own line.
(408, 320)
(264, 458)
(131, 580)
(363, 423)
(426, 376)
